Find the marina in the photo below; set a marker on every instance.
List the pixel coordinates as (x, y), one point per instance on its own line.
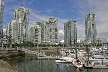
(31, 64)
(59, 58)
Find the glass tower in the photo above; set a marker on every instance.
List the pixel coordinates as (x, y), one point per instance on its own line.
(90, 28)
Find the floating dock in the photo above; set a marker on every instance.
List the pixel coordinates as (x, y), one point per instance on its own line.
(48, 58)
(97, 66)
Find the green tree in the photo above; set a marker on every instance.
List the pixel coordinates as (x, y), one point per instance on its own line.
(48, 45)
(15, 44)
(65, 45)
(43, 45)
(61, 45)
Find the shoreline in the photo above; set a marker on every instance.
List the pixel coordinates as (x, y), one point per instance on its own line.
(5, 67)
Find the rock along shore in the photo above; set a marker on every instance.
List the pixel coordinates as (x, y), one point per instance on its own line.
(5, 67)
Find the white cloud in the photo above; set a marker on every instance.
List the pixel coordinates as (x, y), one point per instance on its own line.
(98, 7)
(80, 28)
(61, 32)
(11, 9)
(4, 31)
(61, 22)
(60, 35)
(35, 16)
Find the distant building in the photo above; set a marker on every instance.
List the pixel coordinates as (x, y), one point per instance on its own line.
(41, 24)
(51, 31)
(9, 29)
(81, 39)
(35, 34)
(21, 15)
(70, 32)
(61, 42)
(5, 40)
(90, 28)
(99, 41)
(1, 17)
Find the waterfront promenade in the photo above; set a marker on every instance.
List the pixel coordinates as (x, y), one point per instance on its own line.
(11, 53)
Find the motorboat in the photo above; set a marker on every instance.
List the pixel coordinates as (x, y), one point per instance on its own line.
(78, 64)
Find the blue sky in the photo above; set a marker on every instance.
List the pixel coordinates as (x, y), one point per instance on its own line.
(63, 10)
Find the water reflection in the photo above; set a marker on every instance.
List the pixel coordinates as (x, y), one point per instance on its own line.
(31, 64)
(65, 68)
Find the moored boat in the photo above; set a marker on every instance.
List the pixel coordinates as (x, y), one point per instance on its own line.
(78, 64)
(64, 60)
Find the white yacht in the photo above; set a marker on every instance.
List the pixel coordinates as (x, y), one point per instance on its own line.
(65, 60)
(66, 57)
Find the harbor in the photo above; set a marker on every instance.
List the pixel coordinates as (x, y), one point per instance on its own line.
(67, 55)
(100, 61)
(32, 64)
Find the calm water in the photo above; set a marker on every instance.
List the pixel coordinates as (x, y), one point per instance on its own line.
(31, 64)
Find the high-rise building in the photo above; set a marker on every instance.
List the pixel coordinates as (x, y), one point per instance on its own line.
(12, 30)
(90, 28)
(21, 16)
(35, 34)
(51, 31)
(9, 29)
(70, 32)
(41, 24)
(1, 17)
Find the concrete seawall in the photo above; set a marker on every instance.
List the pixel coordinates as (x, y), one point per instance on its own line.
(11, 53)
